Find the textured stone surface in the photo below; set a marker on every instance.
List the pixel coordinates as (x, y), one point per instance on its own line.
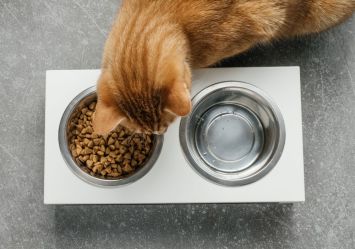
(49, 34)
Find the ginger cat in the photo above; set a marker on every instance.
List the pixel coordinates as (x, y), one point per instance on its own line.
(148, 56)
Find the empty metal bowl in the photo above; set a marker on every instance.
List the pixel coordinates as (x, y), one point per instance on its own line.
(234, 135)
(84, 98)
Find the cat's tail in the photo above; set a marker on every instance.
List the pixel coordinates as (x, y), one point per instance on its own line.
(323, 14)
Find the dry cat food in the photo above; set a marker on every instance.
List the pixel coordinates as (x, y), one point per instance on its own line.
(119, 153)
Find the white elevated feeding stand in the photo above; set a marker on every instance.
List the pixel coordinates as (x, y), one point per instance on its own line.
(172, 179)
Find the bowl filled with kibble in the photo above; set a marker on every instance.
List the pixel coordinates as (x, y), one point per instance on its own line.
(118, 158)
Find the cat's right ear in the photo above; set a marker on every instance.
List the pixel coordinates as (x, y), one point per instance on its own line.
(178, 99)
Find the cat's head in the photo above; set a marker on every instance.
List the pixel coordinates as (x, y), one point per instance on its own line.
(140, 103)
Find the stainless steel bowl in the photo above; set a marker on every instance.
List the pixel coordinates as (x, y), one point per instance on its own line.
(234, 135)
(78, 102)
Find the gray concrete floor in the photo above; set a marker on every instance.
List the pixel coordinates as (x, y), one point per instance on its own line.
(50, 34)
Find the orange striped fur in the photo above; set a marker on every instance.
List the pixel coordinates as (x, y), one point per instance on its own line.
(146, 75)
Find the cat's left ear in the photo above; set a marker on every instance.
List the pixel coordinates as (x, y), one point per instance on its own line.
(178, 99)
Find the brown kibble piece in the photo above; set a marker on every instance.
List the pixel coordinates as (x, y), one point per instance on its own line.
(87, 151)
(119, 170)
(83, 111)
(89, 163)
(78, 149)
(131, 149)
(92, 106)
(79, 127)
(135, 154)
(75, 132)
(110, 159)
(96, 141)
(103, 159)
(72, 146)
(74, 154)
(141, 158)
(112, 154)
(111, 141)
(84, 131)
(108, 170)
(127, 168)
(125, 142)
(127, 156)
(118, 158)
(97, 167)
(86, 141)
(122, 149)
(91, 144)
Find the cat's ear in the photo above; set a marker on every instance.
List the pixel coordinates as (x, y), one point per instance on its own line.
(106, 118)
(178, 100)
